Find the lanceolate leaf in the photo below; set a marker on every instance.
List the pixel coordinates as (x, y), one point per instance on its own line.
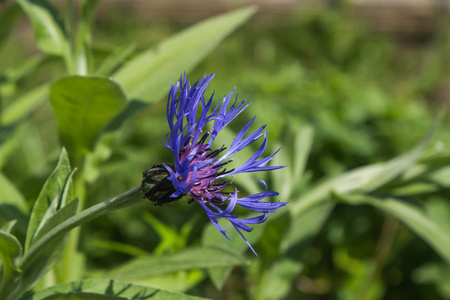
(83, 106)
(113, 61)
(8, 226)
(146, 76)
(10, 250)
(10, 195)
(24, 105)
(36, 266)
(367, 178)
(210, 237)
(106, 289)
(150, 266)
(7, 19)
(52, 189)
(48, 28)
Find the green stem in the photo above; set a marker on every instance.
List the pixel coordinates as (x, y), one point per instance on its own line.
(128, 198)
(27, 278)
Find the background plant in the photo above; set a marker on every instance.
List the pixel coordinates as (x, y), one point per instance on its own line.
(334, 104)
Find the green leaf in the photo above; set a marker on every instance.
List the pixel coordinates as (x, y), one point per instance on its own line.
(8, 226)
(24, 105)
(105, 289)
(150, 266)
(367, 178)
(114, 60)
(416, 218)
(146, 77)
(295, 149)
(49, 211)
(35, 266)
(8, 146)
(83, 106)
(42, 248)
(213, 238)
(52, 189)
(14, 74)
(10, 196)
(118, 247)
(12, 204)
(277, 282)
(57, 218)
(10, 251)
(8, 17)
(305, 226)
(48, 28)
(171, 240)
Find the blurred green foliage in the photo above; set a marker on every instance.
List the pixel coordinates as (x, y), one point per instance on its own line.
(335, 96)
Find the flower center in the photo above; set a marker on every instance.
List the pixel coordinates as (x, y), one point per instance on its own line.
(206, 187)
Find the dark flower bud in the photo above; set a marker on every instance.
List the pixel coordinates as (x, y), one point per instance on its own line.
(156, 187)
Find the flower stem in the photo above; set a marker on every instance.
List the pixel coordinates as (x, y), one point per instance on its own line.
(128, 198)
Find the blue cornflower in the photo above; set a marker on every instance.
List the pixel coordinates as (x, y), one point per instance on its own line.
(199, 171)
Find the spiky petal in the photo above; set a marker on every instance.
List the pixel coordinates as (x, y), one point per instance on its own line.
(199, 171)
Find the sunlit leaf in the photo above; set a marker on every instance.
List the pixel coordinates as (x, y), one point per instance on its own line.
(83, 106)
(105, 289)
(51, 190)
(367, 178)
(35, 266)
(8, 226)
(146, 77)
(114, 60)
(212, 237)
(24, 105)
(48, 27)
(149, 266)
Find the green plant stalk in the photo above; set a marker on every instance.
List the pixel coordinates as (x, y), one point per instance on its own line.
(66, 271)
(128, 198)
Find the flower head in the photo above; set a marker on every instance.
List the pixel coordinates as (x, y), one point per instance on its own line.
(199, 171)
